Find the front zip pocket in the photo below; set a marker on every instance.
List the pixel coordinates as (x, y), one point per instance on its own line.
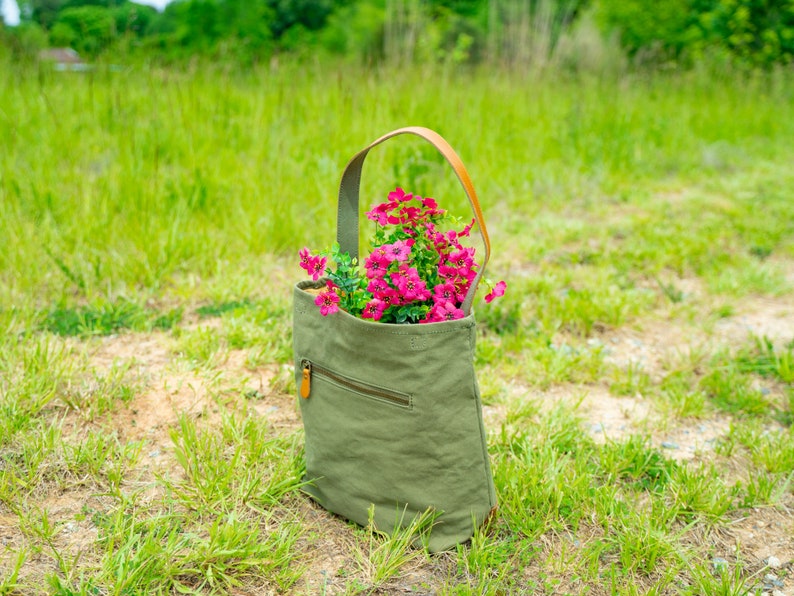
(311, 369)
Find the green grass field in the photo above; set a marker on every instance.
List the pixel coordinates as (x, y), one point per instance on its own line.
(637, 379)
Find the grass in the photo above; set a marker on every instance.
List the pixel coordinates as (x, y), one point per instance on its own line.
(149, 439)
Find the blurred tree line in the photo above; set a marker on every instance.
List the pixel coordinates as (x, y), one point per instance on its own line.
(757, 32)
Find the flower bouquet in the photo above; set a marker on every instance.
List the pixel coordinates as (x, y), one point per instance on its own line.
(418, 270)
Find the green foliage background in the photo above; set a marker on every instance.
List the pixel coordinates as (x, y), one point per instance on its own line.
(750, 32)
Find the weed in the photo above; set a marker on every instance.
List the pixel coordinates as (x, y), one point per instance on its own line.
(639, 544)
(387, 554)
(102, 319)
(632, 380)
(731, 391)
(201, 347)
(634, 461)
(10, 583)
(239, 465)
(765, 360)
(699, 491)
(215, 310)
(106, 318)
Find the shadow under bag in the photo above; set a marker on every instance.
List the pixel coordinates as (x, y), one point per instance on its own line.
(392, 413)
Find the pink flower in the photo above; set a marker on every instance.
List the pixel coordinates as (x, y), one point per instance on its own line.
(444, 293)
(327, 301)
(314, 265)
(389, 297)
(397, 251)
(398, 194)
(462, 287)
(458, 265)
(498, 290)
(380, 213)
(436, 237)
(305, 256)
(376, 265)
(318, 266)
(410, 214)
(377, 285)
(462, 260)
(446, 311)
(410, 286)
(373, 310)
(429, 203)
(447, 271)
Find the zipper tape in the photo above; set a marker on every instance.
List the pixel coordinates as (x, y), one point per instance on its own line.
(309, 369)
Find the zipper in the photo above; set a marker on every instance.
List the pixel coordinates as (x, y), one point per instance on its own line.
(310, 369)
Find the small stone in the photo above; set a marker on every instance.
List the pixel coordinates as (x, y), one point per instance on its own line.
(669, 445)
(778, 593)
(719, 563)
(154, 453)
(773, 562)
(765, 391)
(771, 581)
(597, 428)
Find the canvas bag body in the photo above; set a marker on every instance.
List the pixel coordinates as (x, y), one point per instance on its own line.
(393, 419)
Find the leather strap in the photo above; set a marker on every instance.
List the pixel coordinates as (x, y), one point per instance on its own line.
(349, 187)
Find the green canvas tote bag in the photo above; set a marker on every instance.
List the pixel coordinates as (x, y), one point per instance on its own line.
(392, 413)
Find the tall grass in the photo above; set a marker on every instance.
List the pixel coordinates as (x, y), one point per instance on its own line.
(118, 182)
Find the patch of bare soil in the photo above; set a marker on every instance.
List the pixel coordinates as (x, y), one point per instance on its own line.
(761, 542)
(651, 345)
(174, 390)
(764, 533)
(655, 345)
(760, 317)
(73, 539)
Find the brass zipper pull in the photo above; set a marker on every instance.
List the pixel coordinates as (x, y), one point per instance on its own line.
(306, 381)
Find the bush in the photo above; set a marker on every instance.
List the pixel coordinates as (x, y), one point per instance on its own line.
(648, 26)
(758, 32)
(27, 40)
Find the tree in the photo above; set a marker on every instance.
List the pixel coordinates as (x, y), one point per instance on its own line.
(311, 14)
(94, 27)
(43, 12)
(133, 18)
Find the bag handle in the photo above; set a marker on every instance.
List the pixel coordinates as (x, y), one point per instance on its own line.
(349, 187)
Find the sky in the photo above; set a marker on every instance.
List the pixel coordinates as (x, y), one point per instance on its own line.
(10, 10)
